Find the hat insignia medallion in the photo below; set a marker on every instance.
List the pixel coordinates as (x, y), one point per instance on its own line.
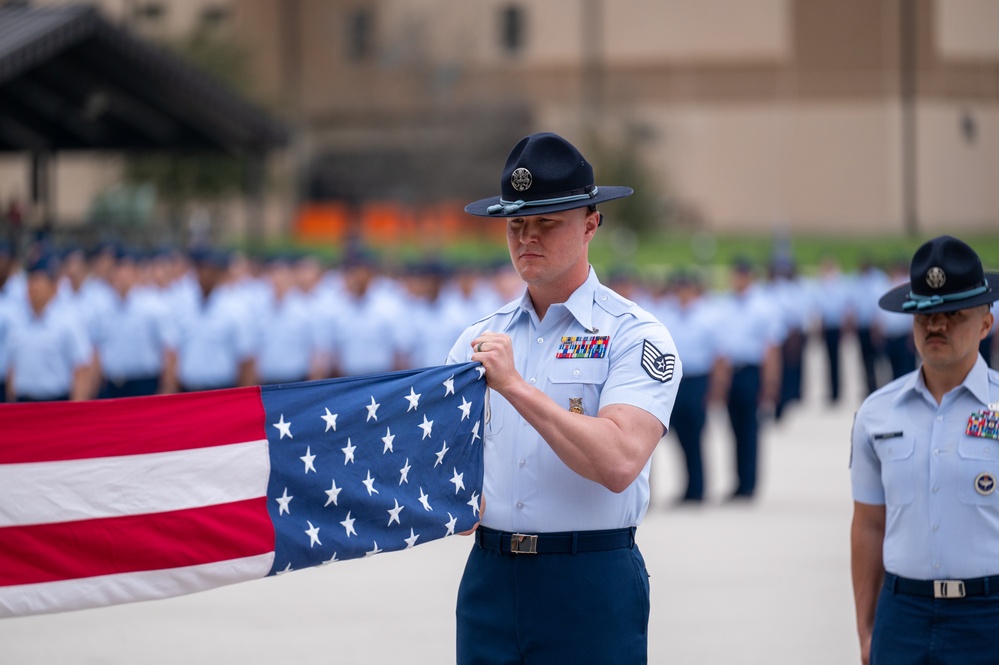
(936, 277)
(521, 179)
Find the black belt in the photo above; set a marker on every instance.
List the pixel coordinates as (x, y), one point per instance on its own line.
(979, 586)
(565, 542)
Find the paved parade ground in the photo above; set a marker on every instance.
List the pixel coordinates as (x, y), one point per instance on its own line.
(765, 582)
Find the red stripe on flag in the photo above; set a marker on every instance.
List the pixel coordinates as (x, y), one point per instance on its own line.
(54, 431)
(87, 548)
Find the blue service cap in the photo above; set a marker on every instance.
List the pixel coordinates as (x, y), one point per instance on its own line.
(43, 262)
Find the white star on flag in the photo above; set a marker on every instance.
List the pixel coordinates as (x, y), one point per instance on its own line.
(309, 458)
(387, 440)
(474, 503)
(394, 513)
(411, 541)
(426, 426)
(457, 479)
(369, 482)
(372, 409)
(451, 524)
(465, 408)
(333, 492)
(404, 473)
(373, 551)
(348, 452)
(284, 428)
(440, 454)
(348, 524)
(313, 532)
(330, 419)
(475, 432)
(283, 502)
(449, 386)
(425, 500)
(414, 399)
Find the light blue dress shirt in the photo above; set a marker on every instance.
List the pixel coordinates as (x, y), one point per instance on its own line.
(696, 329)
(288, 337)
(752, 325)
(914, 457)
(43, 352)
(527, 487)
(216, 335)
(132, 335)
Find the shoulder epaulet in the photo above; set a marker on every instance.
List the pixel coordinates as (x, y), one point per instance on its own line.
(506, 309)
(613, 303)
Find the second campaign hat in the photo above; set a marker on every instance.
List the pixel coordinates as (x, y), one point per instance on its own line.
(545, 173)
(945, 275)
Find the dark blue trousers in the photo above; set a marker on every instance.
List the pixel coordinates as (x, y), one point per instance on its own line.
(687, 420)
(913, 630)
(743, 405)
(901, 352)
(869, 356)
(549, 609)
(130, 387)
(832, 338)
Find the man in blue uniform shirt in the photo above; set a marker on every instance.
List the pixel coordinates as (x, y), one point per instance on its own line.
(924, 469)
(582, 384)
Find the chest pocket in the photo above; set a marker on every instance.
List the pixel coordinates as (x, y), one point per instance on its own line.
(578, 378)
(897, 472)
(978, 471)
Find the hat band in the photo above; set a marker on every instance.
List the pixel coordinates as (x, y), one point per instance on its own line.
(511, 207)
(919, 302)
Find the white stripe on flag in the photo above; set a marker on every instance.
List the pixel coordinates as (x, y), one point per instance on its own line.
(52, 492)
(129, 587)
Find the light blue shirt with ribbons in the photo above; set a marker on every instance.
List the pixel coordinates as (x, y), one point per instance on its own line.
(527, 487)
(936, 481)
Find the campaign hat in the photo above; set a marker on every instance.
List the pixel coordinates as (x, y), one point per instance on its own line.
(945, 275)
(544, 173)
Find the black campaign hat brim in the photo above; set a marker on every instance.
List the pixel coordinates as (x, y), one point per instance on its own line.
(894, 300)
(481, 207)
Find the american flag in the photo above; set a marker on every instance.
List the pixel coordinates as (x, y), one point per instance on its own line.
(134, 499)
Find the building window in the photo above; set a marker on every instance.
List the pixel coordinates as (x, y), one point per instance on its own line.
(361, 35)
(512, 28)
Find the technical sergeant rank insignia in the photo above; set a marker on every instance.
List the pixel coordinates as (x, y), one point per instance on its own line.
(657, 364)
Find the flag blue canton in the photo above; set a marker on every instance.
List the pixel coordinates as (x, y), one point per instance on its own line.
(373, 464)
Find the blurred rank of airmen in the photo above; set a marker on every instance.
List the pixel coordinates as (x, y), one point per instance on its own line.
(114, 322)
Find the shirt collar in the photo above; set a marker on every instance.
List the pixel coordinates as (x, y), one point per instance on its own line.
(977, 383)
(579, 304)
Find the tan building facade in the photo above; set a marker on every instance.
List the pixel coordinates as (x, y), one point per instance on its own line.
(826, 116)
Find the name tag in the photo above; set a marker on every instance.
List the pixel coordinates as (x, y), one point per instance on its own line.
(983, 424)
(887, 435)
(583, 347)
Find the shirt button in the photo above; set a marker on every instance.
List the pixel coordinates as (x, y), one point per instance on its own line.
(541, 340)
(533, 380)
(523, 462)
(603, 297)
(936, 489)
(575, 372)
(939, 417)
(986, 449)
(936, 564)
(520, 505)
(936, 451)
(936, 527)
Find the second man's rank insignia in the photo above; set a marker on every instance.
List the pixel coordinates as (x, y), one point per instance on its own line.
(657, 364)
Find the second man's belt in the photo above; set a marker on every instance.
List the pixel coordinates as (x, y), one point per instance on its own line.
(564, 542)
(979, 586)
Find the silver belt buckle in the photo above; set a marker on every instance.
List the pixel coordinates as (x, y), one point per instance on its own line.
(948, 589)
(523, 543)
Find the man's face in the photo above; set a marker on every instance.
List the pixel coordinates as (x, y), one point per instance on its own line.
(41, 290)
(949, 340)
(546, 248)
